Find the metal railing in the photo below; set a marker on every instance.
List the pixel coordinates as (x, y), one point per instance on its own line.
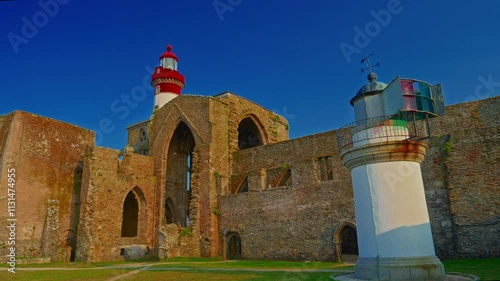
(400, 127)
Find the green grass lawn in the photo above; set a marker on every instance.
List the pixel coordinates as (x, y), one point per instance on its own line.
(217, 263)
(57, 275)
(196, 274)
(216, 269)
(486, 269)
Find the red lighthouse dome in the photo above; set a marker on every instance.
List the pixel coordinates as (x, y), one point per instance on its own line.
(166, 80)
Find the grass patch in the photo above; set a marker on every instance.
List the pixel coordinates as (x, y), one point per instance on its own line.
(196, 263)
(76, 264)
(194, 259)
(194, 274)
(57, 275)
(486, 269)
(207, 269)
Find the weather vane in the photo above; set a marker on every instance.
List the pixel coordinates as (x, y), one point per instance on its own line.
(369, 66)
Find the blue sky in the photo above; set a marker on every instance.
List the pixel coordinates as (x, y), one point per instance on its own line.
(72, 59)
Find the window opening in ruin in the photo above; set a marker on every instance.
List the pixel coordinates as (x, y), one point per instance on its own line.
(248, 134)
(178, 186)
(324, 168)
(285, 179)
(142, 136)
(349, 244)
(130, 219)
(243, 186)
(233, 246)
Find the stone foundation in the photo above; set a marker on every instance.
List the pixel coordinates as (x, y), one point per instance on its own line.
(399, 269)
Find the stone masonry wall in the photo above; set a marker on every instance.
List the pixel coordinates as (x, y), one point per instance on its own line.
(213, 121)
(474, 167)
(46, 155)
(460, 175)
(295, 222)
(105, 185)
(461, 180)
(194, 111)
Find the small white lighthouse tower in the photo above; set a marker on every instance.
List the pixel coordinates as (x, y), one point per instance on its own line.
(166, 80)
(384, 149)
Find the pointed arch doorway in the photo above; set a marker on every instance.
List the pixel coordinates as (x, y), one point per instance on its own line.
(346, 243)
(233, 246)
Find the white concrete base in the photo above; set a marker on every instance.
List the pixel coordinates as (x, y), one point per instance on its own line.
(399, 269)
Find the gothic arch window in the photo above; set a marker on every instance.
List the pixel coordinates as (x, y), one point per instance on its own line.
(248, 134)
(180, 167)
(133, 215)
(285, 178)
(243, 186)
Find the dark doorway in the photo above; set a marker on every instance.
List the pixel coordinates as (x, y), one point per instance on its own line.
(349, 244)
(248, 134)
(71, 238)
(233, 246)
(130, 216)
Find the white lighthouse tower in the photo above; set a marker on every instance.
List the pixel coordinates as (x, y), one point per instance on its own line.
(166, 80)
(384, 149)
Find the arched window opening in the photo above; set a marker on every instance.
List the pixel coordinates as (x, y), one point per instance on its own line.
(243, 186)
(130, 219)
(233, 246)
(285, 179)
(248, 134)
(180, 169)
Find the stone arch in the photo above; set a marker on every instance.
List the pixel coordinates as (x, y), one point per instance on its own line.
(251, 133)
(285, 178)
(134, 214)
(243, 186)
(345, 242)
(169, 210)
(180, 166)
(233, 245)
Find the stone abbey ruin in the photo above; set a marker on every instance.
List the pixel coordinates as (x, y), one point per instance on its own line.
(211, 176)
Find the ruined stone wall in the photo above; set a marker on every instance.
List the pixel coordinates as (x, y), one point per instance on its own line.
(138, 137)
(213, 121)
(273, 127)
(294, 222)
(436, 178)
(194, 112)
(460, 176)
(134, 136)
(106, 183)
(299, 192)
(46, 155)
(461, 180)
(474, 188)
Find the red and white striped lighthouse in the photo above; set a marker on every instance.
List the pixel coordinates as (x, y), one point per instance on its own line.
(166, 80)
